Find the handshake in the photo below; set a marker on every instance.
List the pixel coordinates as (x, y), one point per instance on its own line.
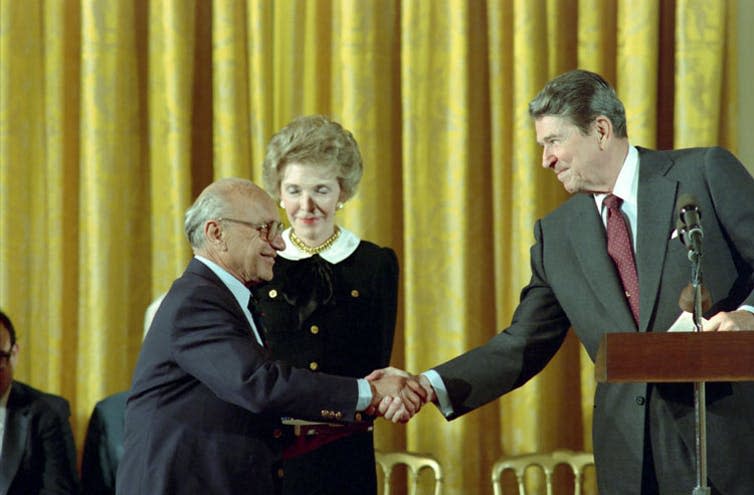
(398, 395)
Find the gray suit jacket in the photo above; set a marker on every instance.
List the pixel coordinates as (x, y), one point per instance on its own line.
(575, 284)
(38, 455)
(203, 413)
(103, 445)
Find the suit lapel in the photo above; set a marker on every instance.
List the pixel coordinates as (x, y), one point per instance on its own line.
(587, 234)
(655, 223)
(16, 427)
(199, 268)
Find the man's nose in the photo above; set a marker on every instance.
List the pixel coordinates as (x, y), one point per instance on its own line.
(277, 242)
(548, 159)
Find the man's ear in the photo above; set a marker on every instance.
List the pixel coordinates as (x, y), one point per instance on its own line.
(13, 354)
(213, 233)
(212, 230)
(604, 129)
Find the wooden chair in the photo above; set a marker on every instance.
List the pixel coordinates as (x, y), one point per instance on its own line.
(414, 463)
(547, 462)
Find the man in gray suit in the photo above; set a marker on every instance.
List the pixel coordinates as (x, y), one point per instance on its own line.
(644, 435)
(205, 406)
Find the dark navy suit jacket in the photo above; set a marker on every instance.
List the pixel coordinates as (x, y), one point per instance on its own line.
(203, 414)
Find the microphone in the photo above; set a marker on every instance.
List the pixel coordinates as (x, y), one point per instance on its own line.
(689, 222)
(694, 298)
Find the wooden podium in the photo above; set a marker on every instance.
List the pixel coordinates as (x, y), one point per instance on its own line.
(676, 357)
(696, 357)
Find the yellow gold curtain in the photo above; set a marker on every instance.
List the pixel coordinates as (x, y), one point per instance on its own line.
(115, 114)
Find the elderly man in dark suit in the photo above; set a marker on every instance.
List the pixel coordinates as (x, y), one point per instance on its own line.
(37, 453)
(644, 435)
(205, 407)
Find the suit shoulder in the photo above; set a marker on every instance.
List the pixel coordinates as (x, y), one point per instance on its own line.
(367, 248)
(57, 403)
(196, 274)
(38, 399)
(368, 254)
(706, 171)
(197, 285)
(114, 402)
(696, 150)
(697, 157)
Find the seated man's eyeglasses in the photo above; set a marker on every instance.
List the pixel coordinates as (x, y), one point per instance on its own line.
(267, 231)
(5, 358)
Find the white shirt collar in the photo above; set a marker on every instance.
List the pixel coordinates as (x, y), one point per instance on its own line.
(626, 187)
(4, 398)
(4, 414)
(342, 248)
(237, 288)
(627, 184)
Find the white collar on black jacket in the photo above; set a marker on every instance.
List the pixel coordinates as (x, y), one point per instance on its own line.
(342, 248)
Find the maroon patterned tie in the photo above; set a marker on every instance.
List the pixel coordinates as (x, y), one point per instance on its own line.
(619, 247)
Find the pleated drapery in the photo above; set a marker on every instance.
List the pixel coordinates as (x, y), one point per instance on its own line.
(114, 114)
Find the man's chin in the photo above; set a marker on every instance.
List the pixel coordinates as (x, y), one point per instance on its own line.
(259, 278)
(265, 275)
(571, 188)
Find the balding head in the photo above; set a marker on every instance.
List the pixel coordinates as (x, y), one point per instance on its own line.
(215, 201)
(228, 224)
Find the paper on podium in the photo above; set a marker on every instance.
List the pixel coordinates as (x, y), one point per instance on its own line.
(685, 323)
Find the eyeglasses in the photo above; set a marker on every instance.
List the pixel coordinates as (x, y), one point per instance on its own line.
(5, 358)
(267, 231)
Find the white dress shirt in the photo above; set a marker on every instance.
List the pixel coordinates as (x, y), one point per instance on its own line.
(239, 290)
(3, 415)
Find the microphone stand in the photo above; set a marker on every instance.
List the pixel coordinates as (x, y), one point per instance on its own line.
(700, 399)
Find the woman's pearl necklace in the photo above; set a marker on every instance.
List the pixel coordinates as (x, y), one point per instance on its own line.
(315, 250)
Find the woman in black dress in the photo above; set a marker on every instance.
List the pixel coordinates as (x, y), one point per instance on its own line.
(331, 306)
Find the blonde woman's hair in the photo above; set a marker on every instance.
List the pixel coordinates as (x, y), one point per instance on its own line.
(318, 141)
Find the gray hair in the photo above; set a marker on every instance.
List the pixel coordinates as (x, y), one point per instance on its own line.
(313, 140)
(580, 96)
(213, 202)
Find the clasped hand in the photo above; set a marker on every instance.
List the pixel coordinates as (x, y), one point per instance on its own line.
(398, 395)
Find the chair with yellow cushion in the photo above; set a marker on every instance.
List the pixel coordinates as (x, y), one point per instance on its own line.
(414, 463)
(546, 462)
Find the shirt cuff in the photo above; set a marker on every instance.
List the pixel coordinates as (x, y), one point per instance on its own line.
(365, 394)
(746, 307)
(443, 401)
